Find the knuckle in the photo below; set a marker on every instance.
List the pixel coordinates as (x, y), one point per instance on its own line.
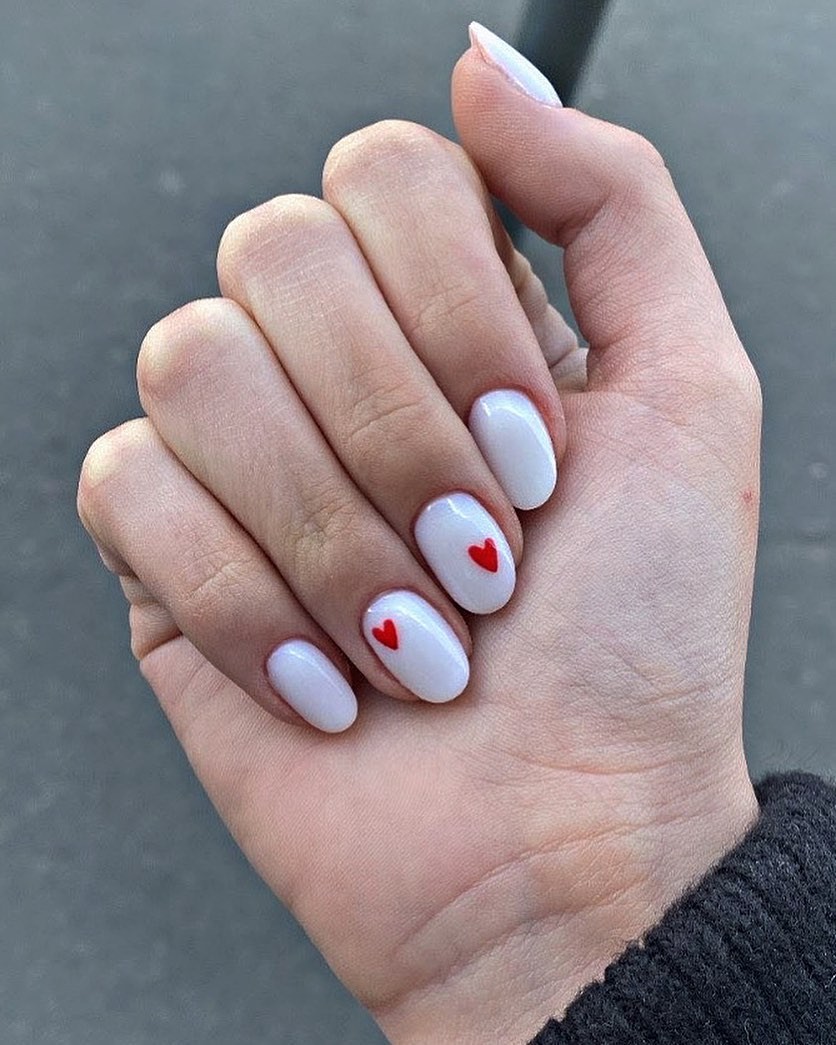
(637, 146)
(461, 304)
(639, 173)
(724, 386)
(730, 379)
(177, 344)
(529, 288)
(521, 273)
(386, 414)
(745, 386)
(110, 454)
(253, 242)
(400, 145)
(217, 579)
(324, 518)
(151, 625)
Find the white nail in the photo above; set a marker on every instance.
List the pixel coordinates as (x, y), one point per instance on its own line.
(515, 65)
(515, 442)
(467, 552)
(312, 685)
(417, 645)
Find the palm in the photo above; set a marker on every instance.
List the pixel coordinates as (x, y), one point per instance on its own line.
(576, 689)
(465, 868)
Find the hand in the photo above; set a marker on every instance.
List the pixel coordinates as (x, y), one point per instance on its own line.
(465, 869)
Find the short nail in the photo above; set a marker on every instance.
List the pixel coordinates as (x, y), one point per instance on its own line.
(467, 551)
(515, 65)
(417, 645)
(311, 684)
(510, 432)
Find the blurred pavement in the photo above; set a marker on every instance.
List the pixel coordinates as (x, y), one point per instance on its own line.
(129, 135)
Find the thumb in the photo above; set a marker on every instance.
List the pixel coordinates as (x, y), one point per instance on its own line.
(640, 285)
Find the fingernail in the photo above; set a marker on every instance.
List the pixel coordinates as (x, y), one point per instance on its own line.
(417, 645)
(311, 684)
(515, 65)
(510, 432)
(467, 551)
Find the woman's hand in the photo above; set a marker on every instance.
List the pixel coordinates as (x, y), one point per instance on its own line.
(465, 869)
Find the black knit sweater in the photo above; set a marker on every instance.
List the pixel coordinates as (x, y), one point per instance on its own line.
(746, 957)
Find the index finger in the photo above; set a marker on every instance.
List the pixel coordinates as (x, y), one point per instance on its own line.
(425, 223)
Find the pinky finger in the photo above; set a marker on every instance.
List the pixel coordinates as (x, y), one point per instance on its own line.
(189, 568)
(557, 339)
(558, 342)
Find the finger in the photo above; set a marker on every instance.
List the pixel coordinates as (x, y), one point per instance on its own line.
(151, 622)
(152, 625)
(565, 358)
(556, 338)
(193, 566)
(640, 285)
(558, 342)
(216, 394)
(570, 373)
(423, 218)
(294, 264)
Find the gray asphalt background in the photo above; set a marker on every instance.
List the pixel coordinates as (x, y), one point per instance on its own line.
(130, 133)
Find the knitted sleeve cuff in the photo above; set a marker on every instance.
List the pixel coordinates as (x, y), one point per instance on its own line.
(746, 957)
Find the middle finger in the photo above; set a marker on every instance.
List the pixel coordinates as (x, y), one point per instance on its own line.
(294, 264)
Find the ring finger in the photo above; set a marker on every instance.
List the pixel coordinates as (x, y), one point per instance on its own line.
(216, 394)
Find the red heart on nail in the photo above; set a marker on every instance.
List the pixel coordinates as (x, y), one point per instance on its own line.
(387, 635)
(484, 555)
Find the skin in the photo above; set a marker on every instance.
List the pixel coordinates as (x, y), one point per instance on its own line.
(464, 868)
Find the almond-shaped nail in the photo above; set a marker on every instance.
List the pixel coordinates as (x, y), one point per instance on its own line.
(512, 435)
(467, 551)
(311, 684)
(417, 645)
(516, 66)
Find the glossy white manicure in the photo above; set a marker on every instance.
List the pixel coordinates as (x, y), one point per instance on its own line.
(515, 65)
(467, 552)
(417, 645)
(515, 442)
(310, 682)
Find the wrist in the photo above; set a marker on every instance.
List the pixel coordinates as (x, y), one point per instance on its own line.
(521, 944)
